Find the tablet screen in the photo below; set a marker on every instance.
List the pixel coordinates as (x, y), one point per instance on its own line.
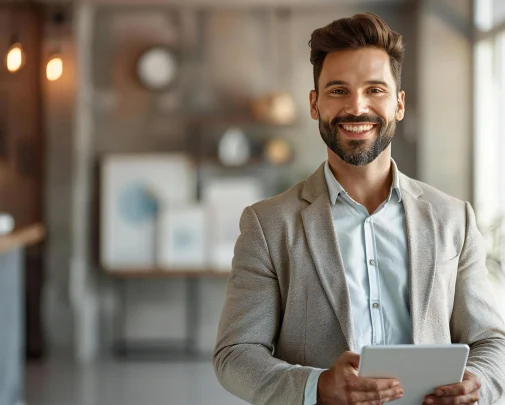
(419, 368)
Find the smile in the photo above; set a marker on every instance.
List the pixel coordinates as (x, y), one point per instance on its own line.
(357, 128)
(358, 131)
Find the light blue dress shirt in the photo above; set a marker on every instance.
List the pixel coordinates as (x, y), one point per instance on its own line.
(375, 256)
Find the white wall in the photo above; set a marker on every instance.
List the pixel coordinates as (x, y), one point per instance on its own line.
(445, 100)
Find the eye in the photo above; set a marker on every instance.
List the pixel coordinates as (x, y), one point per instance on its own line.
(376, 91)
(338, 91)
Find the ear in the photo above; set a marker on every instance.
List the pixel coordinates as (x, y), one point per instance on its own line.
(400, 107)
(314, 111)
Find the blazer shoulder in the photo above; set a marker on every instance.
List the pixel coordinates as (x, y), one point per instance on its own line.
(435, 195)
(442, 203)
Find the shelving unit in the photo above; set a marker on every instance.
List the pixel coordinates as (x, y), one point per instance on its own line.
(200, 145)
(169, 349)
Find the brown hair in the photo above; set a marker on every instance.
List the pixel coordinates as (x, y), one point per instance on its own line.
(356, 32)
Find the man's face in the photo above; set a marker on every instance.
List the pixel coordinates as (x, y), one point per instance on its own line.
(358, 104)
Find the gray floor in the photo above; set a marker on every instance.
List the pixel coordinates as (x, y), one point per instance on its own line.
(125, 383)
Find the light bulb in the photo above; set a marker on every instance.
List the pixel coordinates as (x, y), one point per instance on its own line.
(15, 58)
(54, 68)
(278, 151)
(282, 109)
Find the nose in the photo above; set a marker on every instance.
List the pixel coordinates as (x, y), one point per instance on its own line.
(356, 105)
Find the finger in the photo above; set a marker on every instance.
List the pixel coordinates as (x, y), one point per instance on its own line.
(371, 396)
(381, 402)
(376, 384)
(469, 376)
(469, 399)
(463, 388)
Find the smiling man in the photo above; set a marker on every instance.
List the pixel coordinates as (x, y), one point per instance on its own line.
(358, 254)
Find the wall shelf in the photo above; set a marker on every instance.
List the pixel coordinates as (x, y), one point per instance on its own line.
(27, 236)
(156, 273)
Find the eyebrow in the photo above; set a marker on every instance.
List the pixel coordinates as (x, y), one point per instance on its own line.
(343, 83)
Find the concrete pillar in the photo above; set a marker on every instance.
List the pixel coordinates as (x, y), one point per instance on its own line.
(83, 288)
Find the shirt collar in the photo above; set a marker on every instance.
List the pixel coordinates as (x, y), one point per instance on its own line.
(335, 189)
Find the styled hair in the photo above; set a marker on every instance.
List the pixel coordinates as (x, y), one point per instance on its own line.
(365, 30)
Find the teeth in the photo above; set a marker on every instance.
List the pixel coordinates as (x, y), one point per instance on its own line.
(357, 128)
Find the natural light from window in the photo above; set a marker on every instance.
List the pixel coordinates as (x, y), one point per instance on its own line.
(489, 131)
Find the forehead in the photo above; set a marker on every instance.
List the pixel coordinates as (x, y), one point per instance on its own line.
(356, 66)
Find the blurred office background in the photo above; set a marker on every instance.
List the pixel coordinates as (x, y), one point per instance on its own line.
(133, 133)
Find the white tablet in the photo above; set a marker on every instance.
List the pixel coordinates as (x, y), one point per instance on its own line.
(419, 368)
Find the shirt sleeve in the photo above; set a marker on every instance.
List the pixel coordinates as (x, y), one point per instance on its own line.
(311, 387)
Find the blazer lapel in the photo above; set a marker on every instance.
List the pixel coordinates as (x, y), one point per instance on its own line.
(323, 247)
(422, 246)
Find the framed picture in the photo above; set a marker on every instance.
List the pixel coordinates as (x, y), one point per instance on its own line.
(135, 190)
(225, 200)
(182, 242)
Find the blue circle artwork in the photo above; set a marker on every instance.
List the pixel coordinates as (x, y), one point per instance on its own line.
(136, 204)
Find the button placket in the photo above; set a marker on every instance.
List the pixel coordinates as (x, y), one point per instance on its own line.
(372, 278)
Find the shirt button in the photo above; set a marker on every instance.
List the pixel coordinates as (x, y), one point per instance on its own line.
(375, 305)
(372, 262)
(367, 220)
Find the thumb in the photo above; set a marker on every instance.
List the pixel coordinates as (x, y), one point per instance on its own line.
(351, 359)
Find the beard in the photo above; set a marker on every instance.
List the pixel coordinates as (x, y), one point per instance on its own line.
(357, 152)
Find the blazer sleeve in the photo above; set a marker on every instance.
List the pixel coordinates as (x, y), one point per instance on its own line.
(243, 357)
(476, 318)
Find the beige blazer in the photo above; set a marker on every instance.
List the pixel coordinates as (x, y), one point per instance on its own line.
(287, 306)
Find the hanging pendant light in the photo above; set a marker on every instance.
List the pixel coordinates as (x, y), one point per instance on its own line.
(15, 57)
(54, 67)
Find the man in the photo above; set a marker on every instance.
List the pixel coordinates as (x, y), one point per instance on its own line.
(358, 254)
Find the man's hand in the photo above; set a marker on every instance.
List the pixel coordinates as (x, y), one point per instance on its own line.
(466, 392)
(340, 385)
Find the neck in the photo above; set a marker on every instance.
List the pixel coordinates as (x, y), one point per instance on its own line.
(368, 185)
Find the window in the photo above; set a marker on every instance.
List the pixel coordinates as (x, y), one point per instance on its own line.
(489, 128)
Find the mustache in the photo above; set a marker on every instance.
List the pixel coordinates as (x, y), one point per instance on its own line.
(353, 118)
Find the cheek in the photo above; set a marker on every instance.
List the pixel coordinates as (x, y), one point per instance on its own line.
(387, 110)
(330, 108)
